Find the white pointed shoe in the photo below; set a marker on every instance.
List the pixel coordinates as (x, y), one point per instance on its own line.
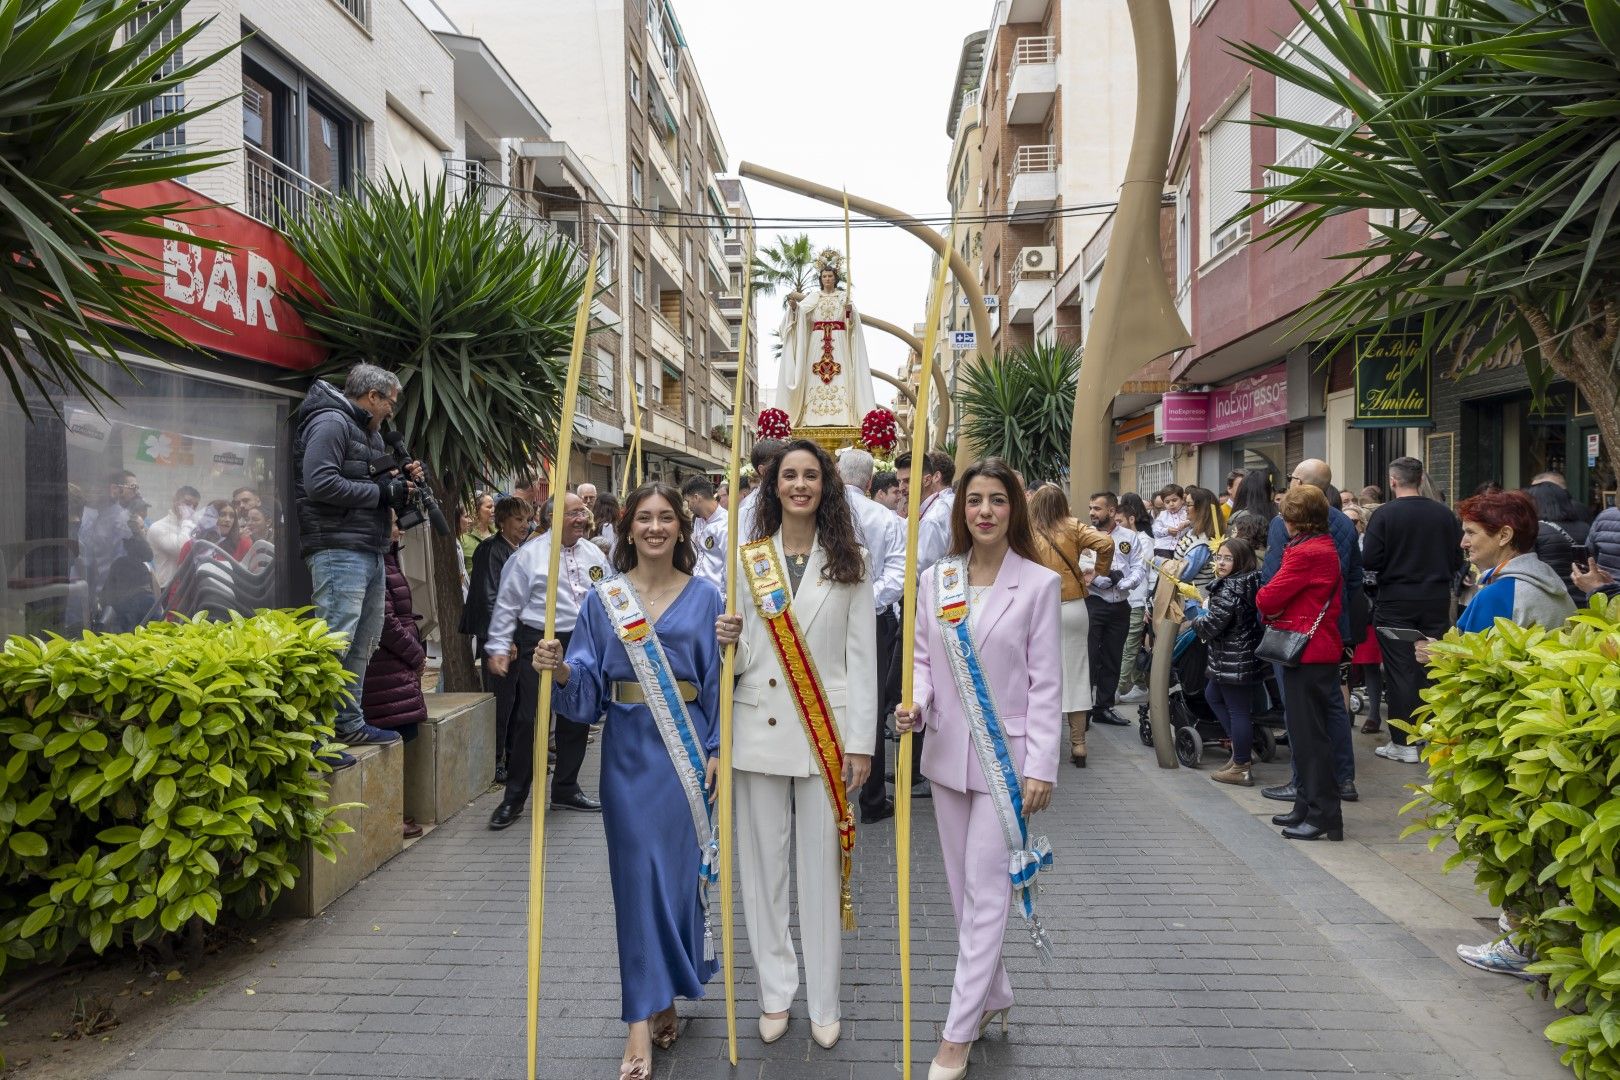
(936, 1071)
(772, 1028)
(826, 1035)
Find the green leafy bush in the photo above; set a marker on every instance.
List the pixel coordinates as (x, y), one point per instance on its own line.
(151, 778)
(1523, 730)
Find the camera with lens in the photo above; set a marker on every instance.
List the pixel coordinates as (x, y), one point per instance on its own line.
(419, 505)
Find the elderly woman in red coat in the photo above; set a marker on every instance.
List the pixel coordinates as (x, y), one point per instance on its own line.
(1305, 596)
(392, 696)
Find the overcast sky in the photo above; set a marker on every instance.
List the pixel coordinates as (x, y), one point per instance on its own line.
(849, 94)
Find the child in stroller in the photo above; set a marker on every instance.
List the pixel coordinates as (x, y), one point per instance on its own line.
(1193, 721)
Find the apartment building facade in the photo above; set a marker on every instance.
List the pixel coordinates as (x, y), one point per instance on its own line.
(620, 86)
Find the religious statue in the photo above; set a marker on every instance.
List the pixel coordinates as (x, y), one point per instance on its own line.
(825, 379)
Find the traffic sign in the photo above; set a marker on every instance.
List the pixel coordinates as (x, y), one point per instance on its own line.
(964, 340)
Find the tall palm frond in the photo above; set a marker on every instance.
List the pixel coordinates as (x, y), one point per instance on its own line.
(785, 265)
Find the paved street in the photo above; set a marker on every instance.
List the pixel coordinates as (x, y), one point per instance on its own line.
(1191, 942)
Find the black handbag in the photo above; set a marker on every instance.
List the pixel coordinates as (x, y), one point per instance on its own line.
(1285, 647)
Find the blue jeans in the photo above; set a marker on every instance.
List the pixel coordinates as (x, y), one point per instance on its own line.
(1338, 730)
(1231, 704)
(349, 596)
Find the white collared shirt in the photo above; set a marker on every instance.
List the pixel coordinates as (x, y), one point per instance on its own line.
(1130, 559)
(882, 534)
(934, 531)
(709, 536)
(522, 593)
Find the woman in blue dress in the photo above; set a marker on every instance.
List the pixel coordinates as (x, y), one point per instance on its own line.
(650, 814)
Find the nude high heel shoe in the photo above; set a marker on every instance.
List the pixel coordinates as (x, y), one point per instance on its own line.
(772, 1028)
(826, 1035)
(990, 1018)
(936, 1071)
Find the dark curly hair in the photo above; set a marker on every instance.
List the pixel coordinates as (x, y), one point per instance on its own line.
(624, 553)
(835, 526)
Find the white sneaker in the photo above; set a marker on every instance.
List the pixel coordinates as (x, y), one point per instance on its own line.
(1501, 957)
(1408, 754)
(1134, 696)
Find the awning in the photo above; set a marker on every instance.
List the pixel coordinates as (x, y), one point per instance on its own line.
(1133, 428)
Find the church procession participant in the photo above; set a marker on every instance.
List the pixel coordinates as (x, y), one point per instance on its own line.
(516, 627)
(882, 535)
(988, 686)
(825, 380)
(803, 728)
(708, 529)
(642, 653)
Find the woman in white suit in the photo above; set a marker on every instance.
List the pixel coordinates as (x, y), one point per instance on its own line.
(803, 728)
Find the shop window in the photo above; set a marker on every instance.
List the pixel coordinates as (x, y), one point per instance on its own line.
(172, 501)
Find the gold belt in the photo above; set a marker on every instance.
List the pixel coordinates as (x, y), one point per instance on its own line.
(629, 693)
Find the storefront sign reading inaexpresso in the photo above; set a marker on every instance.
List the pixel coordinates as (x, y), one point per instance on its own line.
(1392, 381)
(230, 296)
(1253, 404)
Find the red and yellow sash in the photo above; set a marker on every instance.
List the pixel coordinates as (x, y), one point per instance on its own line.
(768, 586)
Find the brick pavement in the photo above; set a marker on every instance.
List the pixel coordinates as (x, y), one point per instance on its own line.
(1191, 942)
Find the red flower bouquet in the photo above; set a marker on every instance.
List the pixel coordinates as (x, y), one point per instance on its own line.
(773, 424)
(878, 430)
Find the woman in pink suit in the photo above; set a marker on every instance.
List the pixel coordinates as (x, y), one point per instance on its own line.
(992, 592)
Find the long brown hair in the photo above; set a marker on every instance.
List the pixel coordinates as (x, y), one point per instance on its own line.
(835, 526)
(1202, 511)
(1020, 537)
(624, 553)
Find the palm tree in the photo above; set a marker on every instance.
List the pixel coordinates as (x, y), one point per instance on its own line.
(71, 71)
(1485, 134)
(473, 313)
(786, 264)
(1019, 407)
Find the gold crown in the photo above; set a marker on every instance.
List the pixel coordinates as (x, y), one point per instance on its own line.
(830, 259)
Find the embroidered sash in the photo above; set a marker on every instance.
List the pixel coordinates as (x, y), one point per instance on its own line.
(768, 585)
(1026, 859)
(674, 724)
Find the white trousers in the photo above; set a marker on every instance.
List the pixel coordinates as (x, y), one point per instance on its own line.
(774, 813)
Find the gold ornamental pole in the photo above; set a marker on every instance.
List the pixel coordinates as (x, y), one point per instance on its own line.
(728, 665)
(908, 652)
(559, 492)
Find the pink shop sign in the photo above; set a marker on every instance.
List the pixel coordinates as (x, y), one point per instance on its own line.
(1253, 404)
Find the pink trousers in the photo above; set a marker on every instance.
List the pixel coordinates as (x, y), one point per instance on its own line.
(981, 894)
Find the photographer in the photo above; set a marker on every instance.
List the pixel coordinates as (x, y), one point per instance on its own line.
(343, 503)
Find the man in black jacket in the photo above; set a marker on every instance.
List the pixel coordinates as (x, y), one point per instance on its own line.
(1414, 547)
(345, 516)
(514, 520)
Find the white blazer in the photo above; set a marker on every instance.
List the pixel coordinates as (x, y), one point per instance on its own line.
(839, 624)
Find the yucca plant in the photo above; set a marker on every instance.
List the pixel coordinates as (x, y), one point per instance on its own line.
(1018, 407)
(70, 71)
(473, 313)
(1490, 131)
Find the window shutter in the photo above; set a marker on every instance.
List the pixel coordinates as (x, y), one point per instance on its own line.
(1228, 173)
(1297, 103)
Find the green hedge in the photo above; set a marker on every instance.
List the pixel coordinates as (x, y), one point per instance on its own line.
(159, 776)
(1523, 758)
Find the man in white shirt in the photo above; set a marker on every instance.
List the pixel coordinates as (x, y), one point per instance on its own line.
(1108, 607)
(880, 532)
(709, 521)
(516, 626)
(934, 532)
(169, 534)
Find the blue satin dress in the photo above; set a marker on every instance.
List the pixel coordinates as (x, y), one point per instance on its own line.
(653, 853)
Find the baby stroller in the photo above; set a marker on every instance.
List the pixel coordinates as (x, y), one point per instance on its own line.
(1191, 719)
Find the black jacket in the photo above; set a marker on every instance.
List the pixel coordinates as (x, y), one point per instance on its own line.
(1230, 625)
(1557, 544)
(483, 582)
(1603, 544)
(339, 505)
(1414, 545)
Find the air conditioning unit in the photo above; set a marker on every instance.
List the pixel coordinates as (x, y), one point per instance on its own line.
(1037, 259)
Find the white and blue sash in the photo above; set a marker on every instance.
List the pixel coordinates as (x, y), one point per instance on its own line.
(1026, 859)
(663, 699)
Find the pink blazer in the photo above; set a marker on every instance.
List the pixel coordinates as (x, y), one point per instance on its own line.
(1020, 644)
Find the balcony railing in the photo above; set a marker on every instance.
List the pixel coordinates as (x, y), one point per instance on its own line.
(1304, 156)
(1034, 50)
(275, 192)
(1035, 159)
(464, 175)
